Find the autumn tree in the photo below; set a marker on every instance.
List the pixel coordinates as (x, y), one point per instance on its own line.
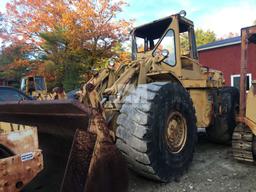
(15, 63)
(62, 62)
(68, 37)
(204, 37)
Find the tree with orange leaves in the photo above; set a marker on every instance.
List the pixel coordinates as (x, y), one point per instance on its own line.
(66, 36)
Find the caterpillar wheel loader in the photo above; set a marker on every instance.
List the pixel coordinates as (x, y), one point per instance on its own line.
(34, 86)
(145, 113)
(244, 136)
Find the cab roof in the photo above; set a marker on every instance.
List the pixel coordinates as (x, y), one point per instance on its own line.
(153, 29)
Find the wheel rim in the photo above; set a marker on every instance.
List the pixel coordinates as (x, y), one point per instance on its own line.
(176, 132)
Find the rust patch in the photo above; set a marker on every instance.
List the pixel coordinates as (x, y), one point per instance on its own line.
(54, 117)
(79, 161)
(15, 172)
(108, 169)
(20, 141)
(22, 160)
(109, 173)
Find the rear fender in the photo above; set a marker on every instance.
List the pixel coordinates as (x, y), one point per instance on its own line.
(165, 76)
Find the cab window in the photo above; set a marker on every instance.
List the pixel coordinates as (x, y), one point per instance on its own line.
(23, 85)
(40, 83)
(140, 45)
(187, 41)
(146, 37)
(167, 43)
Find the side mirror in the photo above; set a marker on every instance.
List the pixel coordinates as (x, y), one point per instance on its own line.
(165, 53)
(162, 54)
(111, 62)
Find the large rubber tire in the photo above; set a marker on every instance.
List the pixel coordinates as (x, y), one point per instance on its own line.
(222, 127)
(141, 134)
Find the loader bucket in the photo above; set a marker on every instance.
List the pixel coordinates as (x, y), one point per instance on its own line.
(64, 115)
(94, 163)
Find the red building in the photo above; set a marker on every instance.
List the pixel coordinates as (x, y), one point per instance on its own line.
(225, 55)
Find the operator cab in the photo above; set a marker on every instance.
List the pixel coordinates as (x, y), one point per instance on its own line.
(146, 37)
(161, 35)
(32, 84)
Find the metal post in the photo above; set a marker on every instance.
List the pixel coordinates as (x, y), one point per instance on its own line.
(243, 73)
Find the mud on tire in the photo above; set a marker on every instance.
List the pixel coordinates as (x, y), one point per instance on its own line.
(142, 130)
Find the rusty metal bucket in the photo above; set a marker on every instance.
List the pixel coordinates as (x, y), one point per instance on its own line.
(94, 163)
(20, 158)
(64, 114)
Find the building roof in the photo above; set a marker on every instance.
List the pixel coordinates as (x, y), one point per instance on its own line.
(221, 43)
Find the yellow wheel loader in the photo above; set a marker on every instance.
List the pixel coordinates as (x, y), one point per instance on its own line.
(146, 112)
(34, 86)
(244, 136)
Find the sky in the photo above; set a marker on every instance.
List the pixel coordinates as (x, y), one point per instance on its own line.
(2, 5)
(220, 16)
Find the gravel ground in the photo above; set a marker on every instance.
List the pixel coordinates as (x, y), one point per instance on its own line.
(213, 169)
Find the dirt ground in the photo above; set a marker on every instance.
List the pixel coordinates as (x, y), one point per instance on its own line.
(213, 169)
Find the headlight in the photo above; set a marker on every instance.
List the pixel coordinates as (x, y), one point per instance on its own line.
(111, 63)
